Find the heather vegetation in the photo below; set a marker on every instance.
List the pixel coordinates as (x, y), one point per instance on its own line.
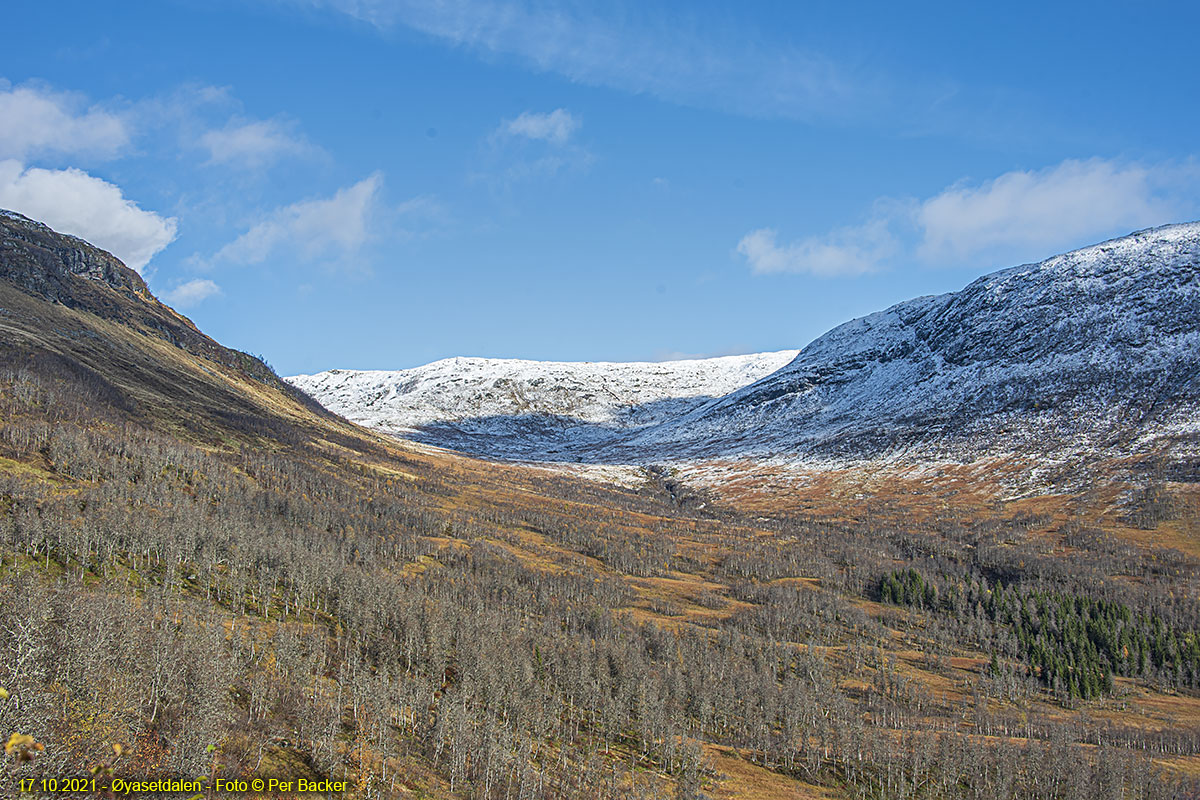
(399, 622)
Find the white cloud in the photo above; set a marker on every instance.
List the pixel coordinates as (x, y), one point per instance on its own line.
(255, 143)
(1074, 202)
(35, 120)
(1019, 216)
(74, 202)
(331, 227)
(191, 293)
(848, 251)
(554, 127)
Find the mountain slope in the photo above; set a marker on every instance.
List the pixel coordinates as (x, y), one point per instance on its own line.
(1097, 350)
(73, 313)
(538, 409)
(1091, 352)
(182, 530)
(197, 564)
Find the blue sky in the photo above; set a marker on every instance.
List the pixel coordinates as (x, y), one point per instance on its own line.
(379, 183)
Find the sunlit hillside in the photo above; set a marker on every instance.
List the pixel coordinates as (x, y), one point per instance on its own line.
(205, 569)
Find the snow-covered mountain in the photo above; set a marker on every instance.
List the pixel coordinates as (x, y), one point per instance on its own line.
(1094, 352)
(531, 409)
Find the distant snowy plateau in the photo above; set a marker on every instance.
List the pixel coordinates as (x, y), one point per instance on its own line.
(540, 410)
(1093, 353)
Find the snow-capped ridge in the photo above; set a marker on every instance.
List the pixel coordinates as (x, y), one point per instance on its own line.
(1092, 351)
(522, 406)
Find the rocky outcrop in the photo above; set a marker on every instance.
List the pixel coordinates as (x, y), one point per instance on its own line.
(68, 271)
(45, 263)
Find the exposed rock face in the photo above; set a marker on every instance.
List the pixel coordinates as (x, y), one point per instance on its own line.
(42, 262)
(70, 272)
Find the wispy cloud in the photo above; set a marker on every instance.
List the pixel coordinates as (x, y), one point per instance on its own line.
(36, 120)
(554, 126)
(326, 228)
(417, 217)
(534, 144)
(212, 121)
(72, 201)
(847, 251)
(191, 293)
(254, 143)
(39, 122)
(692, 61)
(1018, 216)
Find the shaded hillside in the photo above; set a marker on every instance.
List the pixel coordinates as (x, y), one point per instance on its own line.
(68, 308)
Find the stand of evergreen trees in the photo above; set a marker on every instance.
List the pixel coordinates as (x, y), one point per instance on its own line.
(1072, 643)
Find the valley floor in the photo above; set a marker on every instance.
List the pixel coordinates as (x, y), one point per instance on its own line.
(335, 604)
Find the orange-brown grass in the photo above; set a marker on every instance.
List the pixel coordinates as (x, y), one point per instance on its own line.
(739, 779)
(1187, 765)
